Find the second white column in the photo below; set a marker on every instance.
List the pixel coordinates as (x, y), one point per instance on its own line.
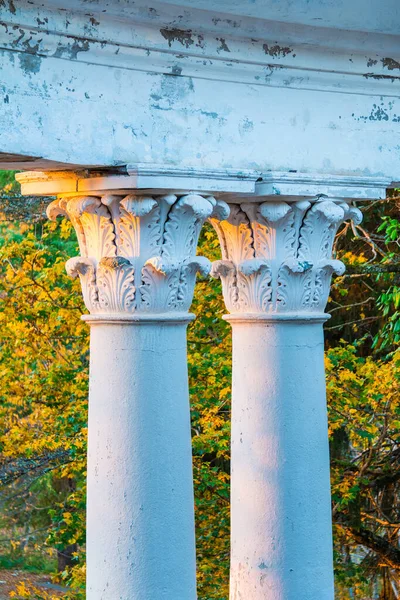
(276, 272)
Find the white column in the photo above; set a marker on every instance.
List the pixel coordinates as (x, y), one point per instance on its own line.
(137, 266)
(276, 272)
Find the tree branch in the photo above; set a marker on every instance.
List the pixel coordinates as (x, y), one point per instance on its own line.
(386, 551)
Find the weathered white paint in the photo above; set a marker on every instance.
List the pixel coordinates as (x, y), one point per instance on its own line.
(280, 494)
(140, 514)
(356, 15)
(235, 186)
(267, 105)
(291, 90)
(137, 267)
(276, 269)
(152, 178)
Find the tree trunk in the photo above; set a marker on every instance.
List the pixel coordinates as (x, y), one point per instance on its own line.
(65, 557)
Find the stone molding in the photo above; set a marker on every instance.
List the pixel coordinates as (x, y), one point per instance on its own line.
(138, 253)
(266, 53)
(234, 185)
(153, 178)
(277, 257)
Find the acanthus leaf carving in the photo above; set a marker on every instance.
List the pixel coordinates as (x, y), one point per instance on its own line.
(351, 212)
(92, 222)
(318, 229)
(161, 265)
(274, 212)
(294, 288)
(277, 255)
(56, 209)
(253, 266)
(222, 268)
(183, 225)
(138, 253)
(198, 264)
(139, 227)
(85, 269)
(220, 211)
(254, 283)
(297, 266)
(115, 284)
(201, 265)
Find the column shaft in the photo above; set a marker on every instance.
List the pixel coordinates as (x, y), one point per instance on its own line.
(140, 514)
(281, 515)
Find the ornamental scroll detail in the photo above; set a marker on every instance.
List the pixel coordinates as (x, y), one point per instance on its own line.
(138, 254)
(277, 257)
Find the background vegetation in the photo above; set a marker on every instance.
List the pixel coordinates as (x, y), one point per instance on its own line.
(43, 406)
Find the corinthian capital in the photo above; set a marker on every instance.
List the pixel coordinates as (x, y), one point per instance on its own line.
(277, 256)
(137, 254)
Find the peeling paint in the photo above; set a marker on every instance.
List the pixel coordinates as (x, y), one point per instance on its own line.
(183, 36)
(71, 50)
(8, 4)
(390, 63)
(380, 112)
(171, 91)
(246, 126)
(31, 49)
(30, 63)
(223, 46)
(376, 76)
(211, 114)
(277, 51)
(228, 101)
(231, 22)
